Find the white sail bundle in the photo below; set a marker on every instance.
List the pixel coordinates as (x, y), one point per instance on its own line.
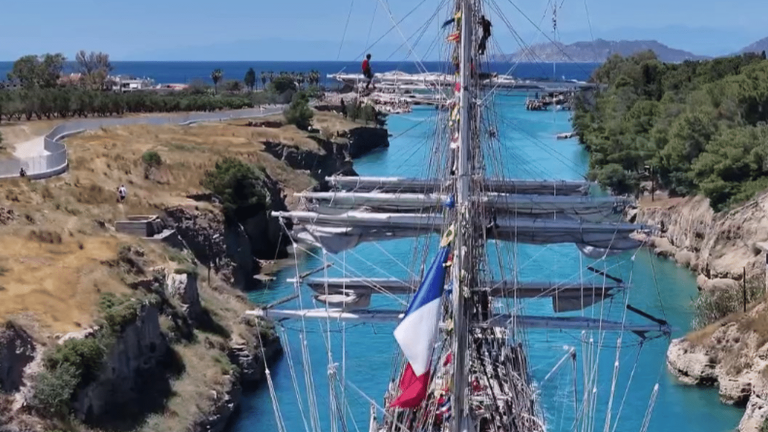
(340, 232)
(586, 208)
(418, 185)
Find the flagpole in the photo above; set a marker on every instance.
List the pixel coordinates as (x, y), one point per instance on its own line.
(462, 271)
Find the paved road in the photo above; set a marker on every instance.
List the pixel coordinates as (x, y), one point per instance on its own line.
(35, 147)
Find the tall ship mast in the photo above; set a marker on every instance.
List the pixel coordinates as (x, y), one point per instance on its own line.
(460, 326)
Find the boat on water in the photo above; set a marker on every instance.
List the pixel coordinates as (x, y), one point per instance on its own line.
(462, 362)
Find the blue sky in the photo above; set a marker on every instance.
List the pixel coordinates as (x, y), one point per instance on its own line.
(312, 29)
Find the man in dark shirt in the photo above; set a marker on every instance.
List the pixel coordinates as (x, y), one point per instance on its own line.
(486, 34)
(367, 71)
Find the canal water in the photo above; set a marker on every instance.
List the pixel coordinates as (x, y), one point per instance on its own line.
(365, 352)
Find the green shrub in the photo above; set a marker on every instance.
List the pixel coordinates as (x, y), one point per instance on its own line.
(298, 112)
(238, 184)
(85, 355)
(152, 159)
(52, 390)
(714, 305)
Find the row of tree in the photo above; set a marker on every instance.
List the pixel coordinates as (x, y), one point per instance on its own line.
(694, 127)
(311, 78)
(45, 71)
(66, 102)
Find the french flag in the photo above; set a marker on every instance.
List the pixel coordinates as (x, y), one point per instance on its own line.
(417, 332)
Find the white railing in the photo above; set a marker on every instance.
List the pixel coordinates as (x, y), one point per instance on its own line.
(55, 162)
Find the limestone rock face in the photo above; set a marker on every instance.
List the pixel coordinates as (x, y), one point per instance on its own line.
(732, 357)
(132, 372)
(716, 245)
(17, 350)
(183, 287)
(691, 364)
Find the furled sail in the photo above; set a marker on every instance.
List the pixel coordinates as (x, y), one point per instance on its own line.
(336, 233)
(417, 185)
(593, 209)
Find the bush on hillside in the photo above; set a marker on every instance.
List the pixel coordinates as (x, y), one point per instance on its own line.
(698, 127)
(52, 390)
(298, 112)
(238, 184)
(152, 159)
(714, 305)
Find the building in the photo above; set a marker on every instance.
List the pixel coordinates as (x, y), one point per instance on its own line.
(123, 84)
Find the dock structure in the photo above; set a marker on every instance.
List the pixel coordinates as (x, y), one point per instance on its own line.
(432, 81)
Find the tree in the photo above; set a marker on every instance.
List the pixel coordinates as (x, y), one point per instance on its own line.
(298, 112)
(282, 84)
(250, 79)
(33, 71)
(240, 186)
(94, 67)
(216, 76)
(263, 80)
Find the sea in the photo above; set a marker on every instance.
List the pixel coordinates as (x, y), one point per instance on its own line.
(362, 355)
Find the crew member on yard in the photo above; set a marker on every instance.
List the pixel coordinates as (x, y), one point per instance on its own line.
(367, 71)
(22, 172)
(121, 193)
(486, 34)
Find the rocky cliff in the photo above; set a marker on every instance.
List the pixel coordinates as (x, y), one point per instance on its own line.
(134, 373)
(17, 350)
(716, 246)
(731, 354)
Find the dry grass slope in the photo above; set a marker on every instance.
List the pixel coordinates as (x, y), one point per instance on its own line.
(60, 250)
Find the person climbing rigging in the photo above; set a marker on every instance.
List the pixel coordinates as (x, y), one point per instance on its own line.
(486, 34)
(367, 71)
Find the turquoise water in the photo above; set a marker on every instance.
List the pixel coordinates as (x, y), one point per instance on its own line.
(530, 150)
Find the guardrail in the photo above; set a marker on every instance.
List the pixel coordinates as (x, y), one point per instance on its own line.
(56, 162)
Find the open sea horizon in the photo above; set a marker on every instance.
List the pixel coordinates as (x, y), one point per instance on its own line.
(184, 72)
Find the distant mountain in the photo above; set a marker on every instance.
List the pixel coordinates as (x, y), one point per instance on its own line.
(757, 47)
(598, 51)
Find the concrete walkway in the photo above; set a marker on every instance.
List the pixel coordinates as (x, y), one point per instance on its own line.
(30, 149)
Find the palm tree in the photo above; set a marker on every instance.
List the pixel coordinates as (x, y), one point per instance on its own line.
(263, 80)
(216, 76)
(271, 76)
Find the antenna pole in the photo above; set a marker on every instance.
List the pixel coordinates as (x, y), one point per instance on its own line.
(462, 270)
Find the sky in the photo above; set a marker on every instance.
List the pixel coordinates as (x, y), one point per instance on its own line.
(315, 29)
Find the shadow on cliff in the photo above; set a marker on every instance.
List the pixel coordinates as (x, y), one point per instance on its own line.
(146, 394)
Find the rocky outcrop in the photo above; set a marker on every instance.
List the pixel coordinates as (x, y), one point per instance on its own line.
(17, 350)
(363, 140)
(717, 246)
(183, 287)
(249, 358)
(133, 374)
(333, 157)
(732, 355)
(225, 403)
(226, 248)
